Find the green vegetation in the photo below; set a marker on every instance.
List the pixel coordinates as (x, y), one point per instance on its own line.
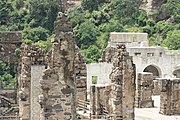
(94, 79)
(92, 22)
(7, 75)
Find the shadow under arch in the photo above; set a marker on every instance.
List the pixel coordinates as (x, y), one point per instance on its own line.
(155, 70)
(176, 73)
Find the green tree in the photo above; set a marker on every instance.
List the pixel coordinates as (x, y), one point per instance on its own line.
(5, 9)
(86, 34)
(173, 40)
(89, 5)
(7, 74)
(35, 34)
(91, 54)
(44, 12)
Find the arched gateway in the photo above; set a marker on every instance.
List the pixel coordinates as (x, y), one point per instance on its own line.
(154, 70)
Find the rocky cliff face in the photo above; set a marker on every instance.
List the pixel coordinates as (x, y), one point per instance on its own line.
(153, 7)
(150, 5)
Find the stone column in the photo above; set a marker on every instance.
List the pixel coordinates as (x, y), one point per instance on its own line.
(36, 75)
(29, 88)
(58, 84)
(144, 90)
(1, 86)
(81, 73)
(169, 98)
(24, 89)
(123, 85)
(93, 101)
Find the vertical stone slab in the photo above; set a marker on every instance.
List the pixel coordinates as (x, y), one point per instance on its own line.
(123, 85)
(30, 55)
(144, 90)
(93, 100)
(81, 73)
(170, 97)
(58, 84)
(36, 75)
(24, 89)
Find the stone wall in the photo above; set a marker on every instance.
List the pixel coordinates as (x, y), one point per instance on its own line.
(144, 87)
(58, 84)
(117, 98)
(9, 42)
(99, 70)
(170, 96)
(81, 73)
(157, 86)
(129, 39)
(8, 101)
(36, 75)
(30, 55)
(123, 85)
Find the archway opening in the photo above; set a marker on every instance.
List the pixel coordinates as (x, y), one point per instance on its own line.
(176, 73)
(154, 70)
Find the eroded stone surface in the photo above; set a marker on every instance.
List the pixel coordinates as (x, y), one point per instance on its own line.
(30, 55)
(58, 83)
(117, 99)
(169, 97)
(144, 90)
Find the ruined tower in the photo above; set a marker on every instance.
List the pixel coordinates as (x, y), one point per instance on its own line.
(123, 85)
(58, 82)
(31, 57)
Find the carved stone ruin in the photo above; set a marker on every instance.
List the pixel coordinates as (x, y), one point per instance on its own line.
(156, 86)
(58, 83)
(81, 73)
(9, 43)
(170, 97)
(51, 94)
(117, 99)
(30, 55)
(144, 90)
(123, 85)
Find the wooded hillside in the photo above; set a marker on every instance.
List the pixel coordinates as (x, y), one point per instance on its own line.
(92, 22)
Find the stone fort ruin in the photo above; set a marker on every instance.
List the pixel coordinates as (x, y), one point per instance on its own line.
(58, 85)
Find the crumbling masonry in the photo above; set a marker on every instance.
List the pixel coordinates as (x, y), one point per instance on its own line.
(117, 99)
(123, 85)
(30, 55)
(144, 90)
(58, 83)
(170, 96)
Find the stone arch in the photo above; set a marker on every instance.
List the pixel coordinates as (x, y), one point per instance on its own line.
(176, 73)
(153, 69)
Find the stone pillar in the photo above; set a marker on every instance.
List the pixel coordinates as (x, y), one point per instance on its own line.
(123, 85)
(24, 89)
(81, 73)
(36, 75)
(170, 97)
(93, 101)
(156, 87)
(58, 84)
(29, 91)
(144, 90)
